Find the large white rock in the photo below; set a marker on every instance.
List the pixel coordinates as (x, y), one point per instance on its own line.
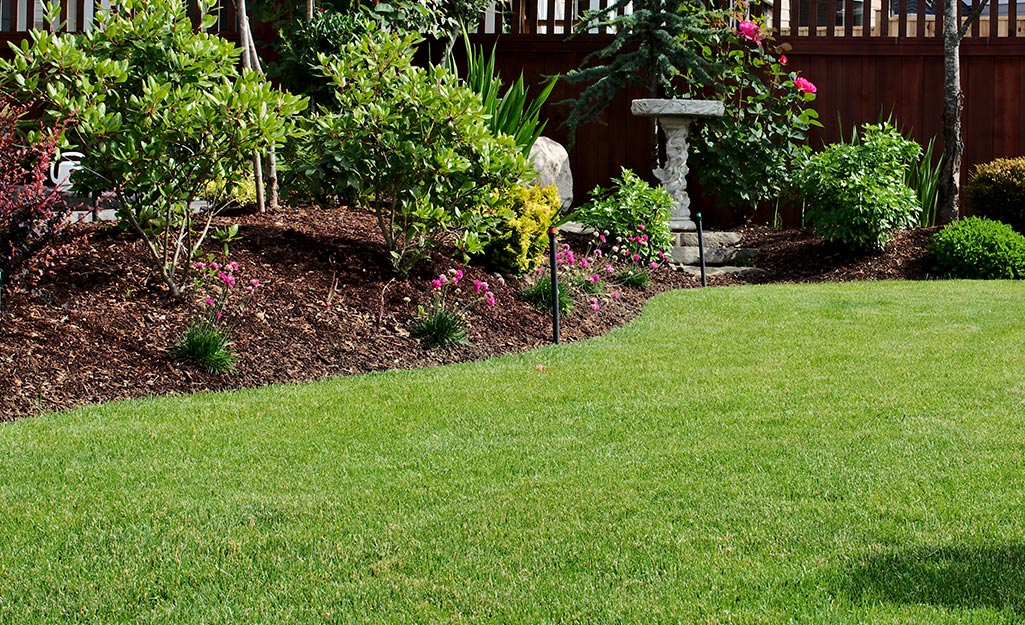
(551, 162)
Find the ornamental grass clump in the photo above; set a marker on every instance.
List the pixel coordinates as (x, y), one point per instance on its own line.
(444, 322)
(979, 248)
(855, 193)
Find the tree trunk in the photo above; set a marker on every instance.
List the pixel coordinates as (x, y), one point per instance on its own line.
(953, 102)
(309, 9)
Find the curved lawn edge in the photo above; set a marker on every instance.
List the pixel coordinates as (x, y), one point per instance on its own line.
(754, 454)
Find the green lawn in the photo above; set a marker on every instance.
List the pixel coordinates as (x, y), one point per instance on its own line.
(807, 454)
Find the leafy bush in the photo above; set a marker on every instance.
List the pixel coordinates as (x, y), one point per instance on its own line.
(160, 110)
(751, 154)
(520, 239)
(979, 248)
(411, 145)
(855, 192)
(997, 190)
(444, 323)
(633, 212)
(509, 113)
(32, 216)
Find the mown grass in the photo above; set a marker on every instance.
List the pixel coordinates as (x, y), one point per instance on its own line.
(808, 454)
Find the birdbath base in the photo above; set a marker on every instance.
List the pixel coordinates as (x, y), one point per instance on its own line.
(675, 117)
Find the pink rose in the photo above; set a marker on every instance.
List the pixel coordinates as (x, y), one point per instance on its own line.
(782, 59)
(804, 85)
(751, 31)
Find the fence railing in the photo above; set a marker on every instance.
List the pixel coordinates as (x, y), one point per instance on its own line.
(919, 19)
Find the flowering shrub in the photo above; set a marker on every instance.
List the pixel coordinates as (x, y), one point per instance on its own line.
(443, 324)
(32, 216)
(751, 154)
(207, 339)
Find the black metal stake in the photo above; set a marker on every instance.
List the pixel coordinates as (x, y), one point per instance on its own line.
(552, 232)
(701, 249)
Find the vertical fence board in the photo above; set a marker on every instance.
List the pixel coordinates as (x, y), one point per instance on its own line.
(1006, 83)
(902, 19)
(1012, 18)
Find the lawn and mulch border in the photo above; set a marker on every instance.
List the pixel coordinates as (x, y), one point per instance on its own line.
(97, 331)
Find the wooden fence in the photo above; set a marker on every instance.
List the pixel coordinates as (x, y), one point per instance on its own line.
(870, 59)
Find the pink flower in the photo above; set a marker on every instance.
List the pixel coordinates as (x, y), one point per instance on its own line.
(640, 227)
(609, 269)
(594, 303)
(459, 274)
(437, 283)
(653, 265)
(209, 301)
(782, 59)
(232, 266)
(219, 314)
(214, 266)
(226, 279)
(254, 283)
(804, 85)
(751, 31)
(594, 278)
(584, 262)
(636, 257)
(200, 265)
(615, 295)
(490, 300)
(601, 237)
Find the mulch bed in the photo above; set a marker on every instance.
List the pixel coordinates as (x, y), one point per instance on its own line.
(98, 328)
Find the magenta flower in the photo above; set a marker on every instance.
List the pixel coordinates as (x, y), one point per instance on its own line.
(437, 283)
(593, 278)
(653, 265)
(209, 301)
(615, 295)
(219, 314)
(226, 279)
(782, 59)
(636, 257)
(214, 266)
(594, 303)
(609, 269)
(804, 85)
(751, 31)
(232, 266)
(640, 227)
(490, 300)
(200, 265)
(254, 283)
(584, 262)
(459, 274)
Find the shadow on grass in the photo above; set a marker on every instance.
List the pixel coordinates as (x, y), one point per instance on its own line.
(959, 577)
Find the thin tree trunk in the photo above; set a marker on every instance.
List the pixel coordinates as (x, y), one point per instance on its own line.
(309, 9)
(953, 102)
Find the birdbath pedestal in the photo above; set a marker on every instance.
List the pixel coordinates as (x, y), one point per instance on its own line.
(675, 117)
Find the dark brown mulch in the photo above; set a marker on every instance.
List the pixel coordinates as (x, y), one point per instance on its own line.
(98, 329)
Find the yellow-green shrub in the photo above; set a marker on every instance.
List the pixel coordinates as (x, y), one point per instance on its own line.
(519, 244)
(997, 191)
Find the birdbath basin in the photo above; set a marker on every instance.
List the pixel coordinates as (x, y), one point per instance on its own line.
(675, 117)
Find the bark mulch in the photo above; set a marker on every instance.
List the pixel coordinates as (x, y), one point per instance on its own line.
(98, 328)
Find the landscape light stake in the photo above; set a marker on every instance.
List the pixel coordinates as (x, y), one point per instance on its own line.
(701, 249)
(555, 283)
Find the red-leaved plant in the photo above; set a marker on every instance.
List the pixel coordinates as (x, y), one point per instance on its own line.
(32, 215)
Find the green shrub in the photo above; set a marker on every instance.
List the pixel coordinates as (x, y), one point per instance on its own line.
(411, 145)
(997, 191)
(855, 193)
(979, 248)
(159, 109)
(520, 239)
(633, 212)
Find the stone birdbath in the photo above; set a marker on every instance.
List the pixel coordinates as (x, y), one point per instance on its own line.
(675, 117)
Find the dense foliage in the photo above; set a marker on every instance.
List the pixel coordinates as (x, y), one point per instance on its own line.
(997, 190)
(633, 213)
(411, 145)
(160, 110)
(32, 215)
(300, 44)
(856, 194)
(979, 248)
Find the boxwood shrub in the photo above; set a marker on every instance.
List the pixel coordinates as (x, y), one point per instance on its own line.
(997, 191)
(979, 248)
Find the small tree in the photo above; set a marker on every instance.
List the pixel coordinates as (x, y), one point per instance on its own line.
(953, 103)
(160, 110)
